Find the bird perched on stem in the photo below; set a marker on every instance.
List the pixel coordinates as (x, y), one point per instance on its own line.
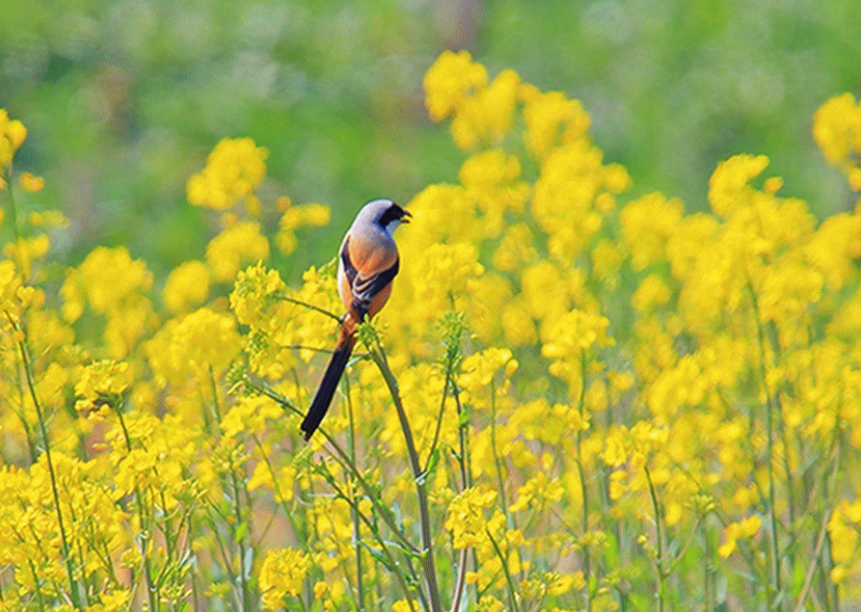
(368, 262)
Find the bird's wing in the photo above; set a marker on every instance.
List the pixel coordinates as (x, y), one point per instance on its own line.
(366, 284)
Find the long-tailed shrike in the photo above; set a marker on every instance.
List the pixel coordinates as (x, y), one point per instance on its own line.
(367, 265)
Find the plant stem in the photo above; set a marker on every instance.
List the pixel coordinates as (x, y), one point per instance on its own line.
(384, 547)
(460, 582)
(769, 440)
(67, 558)
(584, 491)
(512, 598)
(659, 537)
(354, 510)
(427, 556)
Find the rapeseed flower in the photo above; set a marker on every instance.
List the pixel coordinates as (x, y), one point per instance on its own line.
(12, 136)
(448, 80)
(295, 217)
(466, 519)
(187, 286)
(281, 576)
(837, 130)
(234, 168)
(579, 373)
(238, 244)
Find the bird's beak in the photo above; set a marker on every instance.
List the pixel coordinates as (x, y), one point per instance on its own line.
(406, 217)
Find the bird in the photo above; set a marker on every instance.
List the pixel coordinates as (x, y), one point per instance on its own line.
(368, 262)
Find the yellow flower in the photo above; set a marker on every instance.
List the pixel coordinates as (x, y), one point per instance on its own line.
(835, 247)
(101, 379)
(302, 215)
(234, 168)
(573, 332)
(447, 81)
(282, 574)
(31, 183)
(479, 369)
(194, 345)
(837, 128)
(747, 528)
(249, 415)
(12, 135)
(112, 601)
(108, 278)
(236, 245)
(491, 181)
(443, 271)
(255, 289)
(647, 225)
(728, 185)
(843, 530)
(552, 119)
(485, 117)
(516, 248)
(651, 293)
(538, 491)
(466, 521)
(26, 251)
(187, 286)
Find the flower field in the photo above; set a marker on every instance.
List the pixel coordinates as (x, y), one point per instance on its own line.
(576, 398)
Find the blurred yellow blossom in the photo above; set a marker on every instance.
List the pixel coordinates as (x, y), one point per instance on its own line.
(647, 226)
(249, 415)
(187, 286)
(240, 243)
(734, 532)
(486, 116)
(107, 279)
(31, 183)
(281, 575)
(27, 251)
(729, 187)
(296, 216)
(201, 342)
(448, 80)
(12, 135)
(843, 528)
(652, 292)
(234, 168)
(837, 130)
(551, 120)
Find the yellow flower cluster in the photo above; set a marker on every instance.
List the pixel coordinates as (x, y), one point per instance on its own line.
(466, 520)
(281, 575)
(234, 168)
(296, 216)
(12, 135)
(595, 395)
(837, 129)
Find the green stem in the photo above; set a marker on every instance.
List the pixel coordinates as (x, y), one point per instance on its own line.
(382, 543)
(28, 371)
(354, 509)
(584, 490)
(512, 591)
(427, 555)
(241, 543)
(769, 441)
(460, 583)
(659, 537)
(823, 528)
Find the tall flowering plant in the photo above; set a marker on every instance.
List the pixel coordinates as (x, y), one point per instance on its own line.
(575, 400)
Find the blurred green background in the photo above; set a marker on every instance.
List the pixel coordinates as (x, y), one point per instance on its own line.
(124, 99)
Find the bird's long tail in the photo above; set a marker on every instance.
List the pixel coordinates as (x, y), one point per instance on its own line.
(329, 383)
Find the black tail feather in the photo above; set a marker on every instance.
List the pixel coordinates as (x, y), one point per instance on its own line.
(325, 392)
